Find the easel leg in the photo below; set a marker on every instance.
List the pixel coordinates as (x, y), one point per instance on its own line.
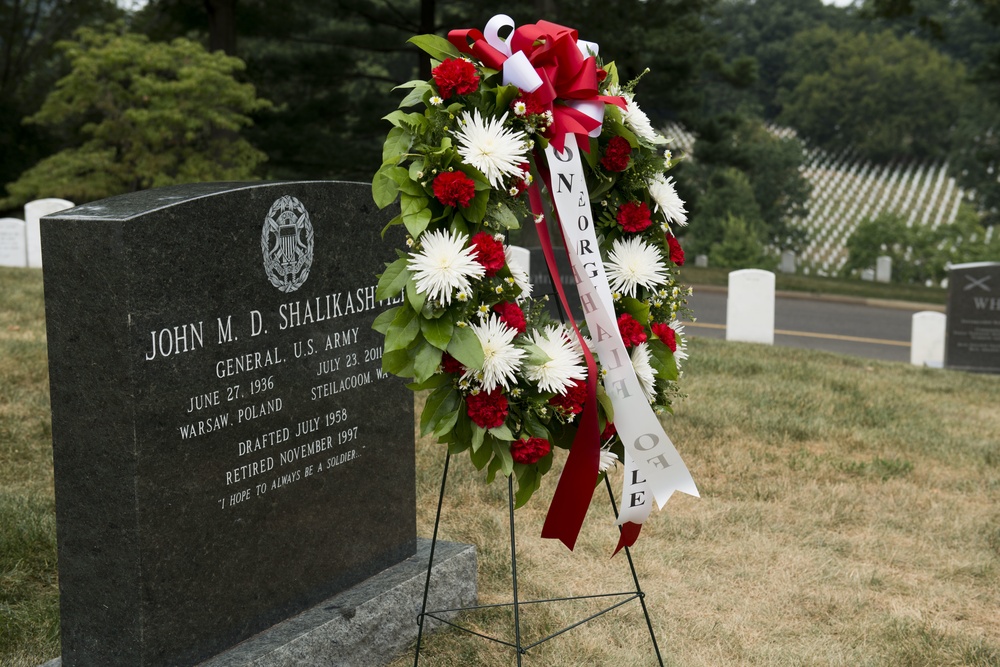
(430, 561)
(635, 578)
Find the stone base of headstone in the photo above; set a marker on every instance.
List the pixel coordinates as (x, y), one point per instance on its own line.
(369, 624)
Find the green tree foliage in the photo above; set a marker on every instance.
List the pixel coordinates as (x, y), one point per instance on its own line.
(741, 169)
(144, 114)
(883, 95)
(30, 66)
(919, 253)
(739, 246)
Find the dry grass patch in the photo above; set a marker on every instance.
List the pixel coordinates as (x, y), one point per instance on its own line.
(848, 517)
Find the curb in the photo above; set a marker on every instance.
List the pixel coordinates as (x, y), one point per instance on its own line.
(837, 298)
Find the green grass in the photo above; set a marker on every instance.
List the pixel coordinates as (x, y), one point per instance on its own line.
(850, 516)
(818, 285)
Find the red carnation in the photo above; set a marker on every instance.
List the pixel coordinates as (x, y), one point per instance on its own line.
(665, 333)
(676, 251)
(488, 409)
(532, 104)
(632, 332)
(572, 402)
(609, 432)
(616, 155)
(489, 252)
(511, 315)
(453, 188)
(529, 450)
(456, 75)
(451, 365)
(634, 216)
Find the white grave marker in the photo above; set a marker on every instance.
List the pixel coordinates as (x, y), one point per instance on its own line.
(33, 212)
(883, 269)
(750, 307)
(13, 243)
(927, 334)
(788, 261)
(701, 261)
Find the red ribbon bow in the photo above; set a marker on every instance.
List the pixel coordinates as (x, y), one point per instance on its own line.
(565, 73)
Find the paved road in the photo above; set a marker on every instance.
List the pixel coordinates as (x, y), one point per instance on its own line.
(844, 326)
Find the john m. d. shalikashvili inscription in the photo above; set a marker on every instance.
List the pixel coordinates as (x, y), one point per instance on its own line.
(222, 450)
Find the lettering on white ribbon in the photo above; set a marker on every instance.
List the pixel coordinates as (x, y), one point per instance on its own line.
(652, 464)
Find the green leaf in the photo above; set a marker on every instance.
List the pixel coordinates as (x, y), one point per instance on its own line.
(662, 360)
(527, 484)
(501, 432)
(385, 318)
(435, 46)
(536, 356)
(398, 220)
(392, 280)
(637, 309)
(398, 362)
(534, 426)
(502, 451)
(466, 348)
(433, 382)
(416, 95)
(605, 401)
(476, 210)
(384, 187)
(417, 222)
(427, 361)
(437, 332)
(403, 330)
(503, 216)
(480, 457)
(439, 404)
(478, 435)
(397, 142)
(495, 464)
(415, 298)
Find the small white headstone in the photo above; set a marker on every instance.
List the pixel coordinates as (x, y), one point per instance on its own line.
(883, 269)
(750, 307)
(788, 261)
(701, 261)
(13, 243)
(927, 334)
(33, 212)
(868, 274)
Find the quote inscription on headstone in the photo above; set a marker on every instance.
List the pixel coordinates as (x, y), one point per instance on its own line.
(973, 325)
(227, 450)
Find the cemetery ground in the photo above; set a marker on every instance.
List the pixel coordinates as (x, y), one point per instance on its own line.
(850, 515)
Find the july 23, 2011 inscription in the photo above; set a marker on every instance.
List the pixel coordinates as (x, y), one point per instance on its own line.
(222, 455)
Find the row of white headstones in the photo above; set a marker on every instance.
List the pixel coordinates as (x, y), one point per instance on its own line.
(750, 318)
(20, 240)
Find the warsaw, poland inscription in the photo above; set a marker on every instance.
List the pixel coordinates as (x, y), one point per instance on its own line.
(227, 448)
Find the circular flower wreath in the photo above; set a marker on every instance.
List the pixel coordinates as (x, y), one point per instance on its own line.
(507, 382)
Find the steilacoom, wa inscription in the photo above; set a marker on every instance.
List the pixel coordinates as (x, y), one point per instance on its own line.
(222, 450)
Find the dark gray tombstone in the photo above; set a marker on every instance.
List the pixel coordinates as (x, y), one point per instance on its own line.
(227, 452)
(973, 328)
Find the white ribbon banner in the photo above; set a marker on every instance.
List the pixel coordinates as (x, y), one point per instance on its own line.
(652, 464)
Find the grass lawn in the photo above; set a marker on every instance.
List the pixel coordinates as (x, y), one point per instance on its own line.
(850, 515)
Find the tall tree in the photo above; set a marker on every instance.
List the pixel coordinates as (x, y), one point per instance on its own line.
(146, 114)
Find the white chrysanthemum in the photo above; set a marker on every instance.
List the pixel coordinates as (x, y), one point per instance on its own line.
(633, 262)
(608, 460)
(565, 362)
(501, 358)
(663, 192)
(491, 148)
(680, 354)
(637, 120)
(517, 272)
(643, 370)
(444, 265)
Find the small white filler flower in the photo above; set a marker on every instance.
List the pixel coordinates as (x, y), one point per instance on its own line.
(489, 147)
(633, 262)
(444, 265)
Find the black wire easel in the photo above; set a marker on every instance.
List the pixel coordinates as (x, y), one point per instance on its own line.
(519, 647)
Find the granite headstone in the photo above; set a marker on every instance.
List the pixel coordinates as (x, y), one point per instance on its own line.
(227, 450)
(13, 243)
(972, 342)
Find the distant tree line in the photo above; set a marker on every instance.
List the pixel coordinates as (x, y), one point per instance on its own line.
(212, 89)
